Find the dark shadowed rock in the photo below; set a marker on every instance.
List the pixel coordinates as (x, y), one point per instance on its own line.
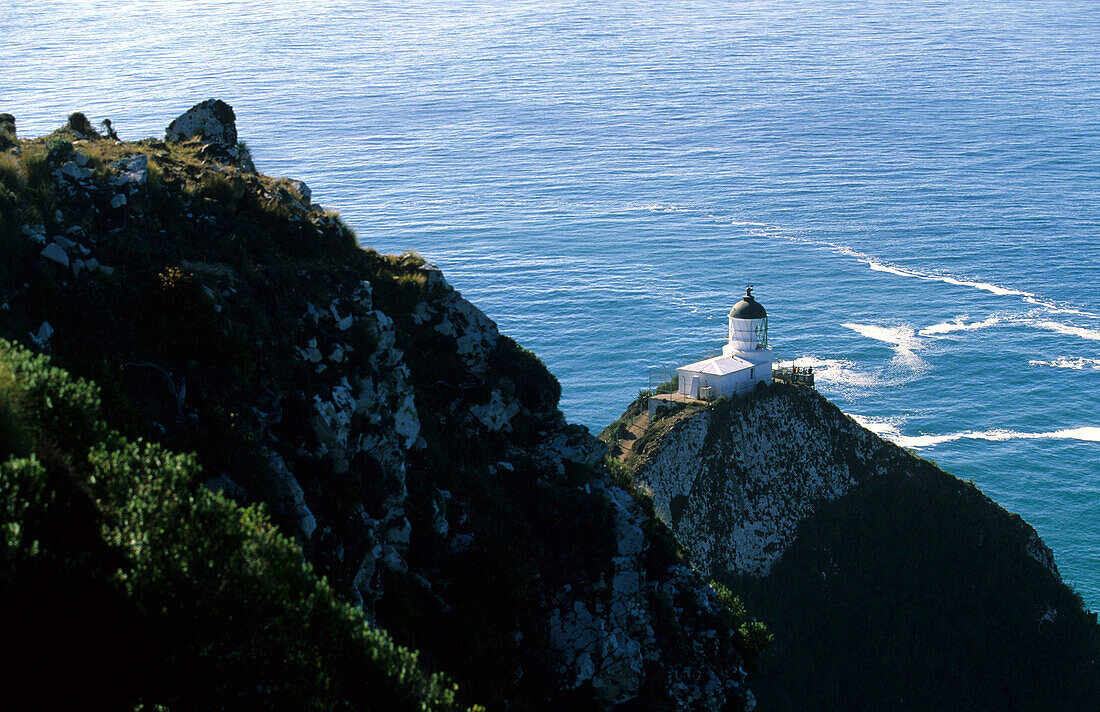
(7, 123)
(212, 120)
(887, 582)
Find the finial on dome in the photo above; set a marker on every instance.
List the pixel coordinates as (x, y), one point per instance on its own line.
(748, 291)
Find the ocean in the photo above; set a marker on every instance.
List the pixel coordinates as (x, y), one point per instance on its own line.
(911, 186)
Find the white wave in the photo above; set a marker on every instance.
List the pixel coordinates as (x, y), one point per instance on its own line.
(880, 266)
(1087, 434)
(1056, 326)
(1054, 308)
(901, 338)
(888, 428)
(1078, 364)
(839, 372)
(665, 208)
(958, 324)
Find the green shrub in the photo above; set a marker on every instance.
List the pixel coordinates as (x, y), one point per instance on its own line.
(753, 639)
(617, 431)
(190, 576)
(58, 149)
(536, 388)
(14, 438)
(670, 386)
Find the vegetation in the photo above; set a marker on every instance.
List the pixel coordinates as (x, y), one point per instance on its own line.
(176, 595)
(753, 637)
(222, 286)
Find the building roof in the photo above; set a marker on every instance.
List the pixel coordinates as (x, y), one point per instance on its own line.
(719, 365)
(748, 307)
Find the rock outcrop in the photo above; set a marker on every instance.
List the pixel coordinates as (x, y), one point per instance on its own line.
(417, 455)
(213, 124)
(888, 583)
(735, 484)
(212, 121)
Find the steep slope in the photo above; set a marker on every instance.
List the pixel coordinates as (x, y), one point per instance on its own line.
(417, 455)
(125, 584)
(888, 583)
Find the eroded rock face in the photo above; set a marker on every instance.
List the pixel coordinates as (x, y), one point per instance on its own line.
(417, 455)
(212, 120)
(735, 484)
(860, 555)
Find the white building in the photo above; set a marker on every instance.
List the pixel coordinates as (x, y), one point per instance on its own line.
(745, 361)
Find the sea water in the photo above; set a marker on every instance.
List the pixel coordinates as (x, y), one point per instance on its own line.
(912, 186)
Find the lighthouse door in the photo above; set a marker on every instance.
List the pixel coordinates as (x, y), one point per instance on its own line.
(693, 387)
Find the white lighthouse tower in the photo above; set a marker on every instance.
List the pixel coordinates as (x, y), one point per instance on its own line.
(745, 361)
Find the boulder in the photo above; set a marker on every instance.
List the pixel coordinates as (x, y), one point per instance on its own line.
(133, 170)
(213, 121)
(7, 123)
(56, 253)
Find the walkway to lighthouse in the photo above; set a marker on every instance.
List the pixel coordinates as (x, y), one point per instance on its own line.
(634, 431)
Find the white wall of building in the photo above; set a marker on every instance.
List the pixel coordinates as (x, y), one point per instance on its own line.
(691, 383)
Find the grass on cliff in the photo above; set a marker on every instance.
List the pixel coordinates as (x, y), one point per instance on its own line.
(125, 578)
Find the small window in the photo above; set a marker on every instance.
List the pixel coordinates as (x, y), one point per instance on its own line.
(752, 372)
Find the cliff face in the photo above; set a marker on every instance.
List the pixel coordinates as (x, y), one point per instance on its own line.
(735, 483)
(888, 583)
(416, 454)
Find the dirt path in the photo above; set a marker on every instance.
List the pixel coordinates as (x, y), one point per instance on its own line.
(634, 431)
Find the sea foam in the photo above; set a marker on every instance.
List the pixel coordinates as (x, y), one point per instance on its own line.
(901, 338)
(1078, 364)
(959, 323)
(1068, 330)
(1087, 434)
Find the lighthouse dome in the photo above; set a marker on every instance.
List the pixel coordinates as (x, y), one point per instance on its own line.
(748, 307)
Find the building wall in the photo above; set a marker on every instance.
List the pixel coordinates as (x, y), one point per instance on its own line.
(724, 385)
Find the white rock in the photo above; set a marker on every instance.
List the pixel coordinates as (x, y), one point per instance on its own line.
(406, 423)
(118, 201)
(496, 415)
(302, 190)
(212, 120)
(45, 331)
(133, 170)
(56, 253)
(290, 494)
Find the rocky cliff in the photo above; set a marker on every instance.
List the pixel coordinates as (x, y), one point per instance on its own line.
(888, 583)
(415, 454)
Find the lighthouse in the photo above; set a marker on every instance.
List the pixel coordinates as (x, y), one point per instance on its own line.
(745, 361)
